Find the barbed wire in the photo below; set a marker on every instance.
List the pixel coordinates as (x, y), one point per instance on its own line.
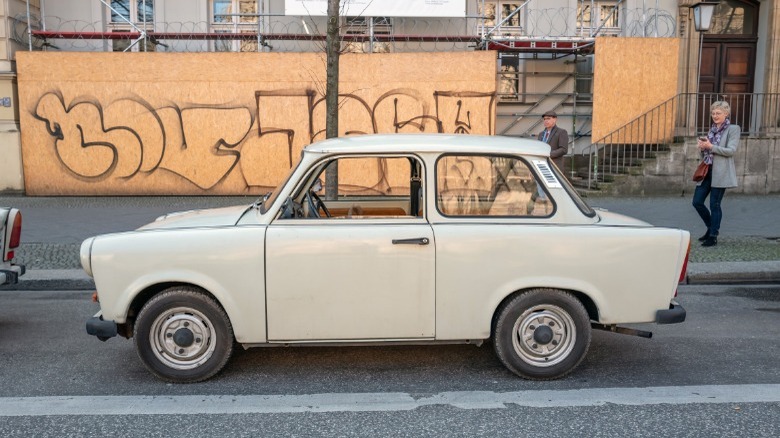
(305, 34)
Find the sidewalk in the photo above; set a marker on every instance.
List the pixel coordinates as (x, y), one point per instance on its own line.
(54, 227)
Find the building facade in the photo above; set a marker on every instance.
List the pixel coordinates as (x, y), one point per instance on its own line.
(545, 50)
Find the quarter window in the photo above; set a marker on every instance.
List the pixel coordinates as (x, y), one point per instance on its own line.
(481, 185)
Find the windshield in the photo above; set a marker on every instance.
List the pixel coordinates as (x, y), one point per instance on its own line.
(270, 197)
(581, 204)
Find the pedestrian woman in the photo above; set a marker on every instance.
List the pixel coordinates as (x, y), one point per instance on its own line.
(717, 151)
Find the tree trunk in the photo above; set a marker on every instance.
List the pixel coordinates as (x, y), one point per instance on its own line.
(332, 50)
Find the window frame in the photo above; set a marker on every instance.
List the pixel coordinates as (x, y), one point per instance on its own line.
(318, 168)
(518, 158)
(122, 25)
(133, 13)
(360, 25)
(235, 25)
(600, 6)
(498, 17)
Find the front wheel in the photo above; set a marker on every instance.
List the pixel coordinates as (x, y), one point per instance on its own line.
(183, 336)
(541, 334)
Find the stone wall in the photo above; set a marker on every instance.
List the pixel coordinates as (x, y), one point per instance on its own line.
(757, 162)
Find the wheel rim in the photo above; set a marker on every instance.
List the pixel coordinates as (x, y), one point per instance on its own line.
(544, 335)
(182, 338)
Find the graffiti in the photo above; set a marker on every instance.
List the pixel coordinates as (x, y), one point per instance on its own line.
(130, 138)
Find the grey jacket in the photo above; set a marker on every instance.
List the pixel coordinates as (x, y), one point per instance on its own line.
(559, 144)
(724, 174)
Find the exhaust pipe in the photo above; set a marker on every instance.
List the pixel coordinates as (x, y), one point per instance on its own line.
(622, 330)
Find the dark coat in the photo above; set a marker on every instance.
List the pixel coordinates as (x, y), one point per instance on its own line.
(559, 144)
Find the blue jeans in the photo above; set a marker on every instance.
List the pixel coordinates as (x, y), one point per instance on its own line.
(713, 216)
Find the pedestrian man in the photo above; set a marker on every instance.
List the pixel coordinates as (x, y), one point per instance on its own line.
(556, 137)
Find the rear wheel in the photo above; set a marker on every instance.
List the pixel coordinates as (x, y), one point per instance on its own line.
(542, 334)
(182, 335)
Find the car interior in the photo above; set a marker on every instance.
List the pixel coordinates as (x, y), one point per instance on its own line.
(393, 187)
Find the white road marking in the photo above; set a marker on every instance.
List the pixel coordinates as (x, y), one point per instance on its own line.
(380, 402)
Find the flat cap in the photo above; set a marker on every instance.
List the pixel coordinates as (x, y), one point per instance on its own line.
(550, 114)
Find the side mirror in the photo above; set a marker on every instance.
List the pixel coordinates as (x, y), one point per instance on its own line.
(287, 211)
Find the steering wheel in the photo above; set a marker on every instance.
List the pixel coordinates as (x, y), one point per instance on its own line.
(315, 204)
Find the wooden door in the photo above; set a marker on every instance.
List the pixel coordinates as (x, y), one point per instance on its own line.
(727, 69)
(728, 60)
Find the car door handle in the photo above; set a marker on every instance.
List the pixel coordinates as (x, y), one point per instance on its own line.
(417, 241)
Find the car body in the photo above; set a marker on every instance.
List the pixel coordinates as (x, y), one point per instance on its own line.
(418, 239)
(10, 238)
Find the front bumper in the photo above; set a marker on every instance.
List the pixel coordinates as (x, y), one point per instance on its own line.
(10, 274)
(673, 315)
(100, 328)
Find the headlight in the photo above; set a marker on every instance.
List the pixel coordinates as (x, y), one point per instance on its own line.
(86, 255)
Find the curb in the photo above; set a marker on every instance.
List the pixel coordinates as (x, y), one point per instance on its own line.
(53, 279)
(766, 272)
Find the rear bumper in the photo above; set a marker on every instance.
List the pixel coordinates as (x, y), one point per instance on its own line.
(11, 274)
(673, 315)
(100, 328)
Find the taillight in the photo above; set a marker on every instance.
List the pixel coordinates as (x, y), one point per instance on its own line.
(16, 231)
(684, 269)
(13, 233)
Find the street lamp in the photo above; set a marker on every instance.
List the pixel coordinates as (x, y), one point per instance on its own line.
(702, 15)
(702, 21)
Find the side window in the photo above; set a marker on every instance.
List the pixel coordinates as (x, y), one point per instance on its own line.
(368, 188)
(480, 185)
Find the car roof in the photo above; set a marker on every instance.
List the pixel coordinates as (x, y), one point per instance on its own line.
(440, 143)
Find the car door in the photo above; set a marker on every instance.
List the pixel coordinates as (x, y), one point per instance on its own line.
(356, 277)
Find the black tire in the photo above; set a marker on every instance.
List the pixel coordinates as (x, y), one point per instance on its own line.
(555, 330)
(183, 336)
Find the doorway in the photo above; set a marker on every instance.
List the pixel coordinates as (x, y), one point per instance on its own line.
(728, 60)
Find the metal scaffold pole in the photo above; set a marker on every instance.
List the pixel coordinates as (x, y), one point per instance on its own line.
(29, 27)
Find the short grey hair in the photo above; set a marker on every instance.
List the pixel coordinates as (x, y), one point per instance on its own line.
(721, 105)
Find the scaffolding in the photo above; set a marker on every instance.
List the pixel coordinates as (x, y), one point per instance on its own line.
(526, 38)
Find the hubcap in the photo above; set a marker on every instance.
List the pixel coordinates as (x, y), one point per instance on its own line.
(182, 338)
(544, 335)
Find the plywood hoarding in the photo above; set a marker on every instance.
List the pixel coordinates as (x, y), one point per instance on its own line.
(631, 77)
(224, 123)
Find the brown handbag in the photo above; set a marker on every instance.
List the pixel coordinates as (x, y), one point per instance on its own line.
(701, 172)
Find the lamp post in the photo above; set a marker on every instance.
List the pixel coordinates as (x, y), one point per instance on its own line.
(702, 20)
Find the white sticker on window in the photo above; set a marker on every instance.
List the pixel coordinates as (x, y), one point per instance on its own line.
(547, 174)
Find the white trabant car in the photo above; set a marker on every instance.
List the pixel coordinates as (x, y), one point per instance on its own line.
(390, 239)
(10, 238)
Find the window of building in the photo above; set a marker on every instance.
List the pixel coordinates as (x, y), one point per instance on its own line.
(367, 26)
(734, 17)
(485, 185)
(234, 16)
(138, 12)
(584, 79)
(495, 13)
(509, 84)
(606, 16)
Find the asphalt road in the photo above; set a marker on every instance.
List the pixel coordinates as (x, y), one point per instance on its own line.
(717, 374)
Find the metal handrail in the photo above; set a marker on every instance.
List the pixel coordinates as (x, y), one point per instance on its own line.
(684, 115)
